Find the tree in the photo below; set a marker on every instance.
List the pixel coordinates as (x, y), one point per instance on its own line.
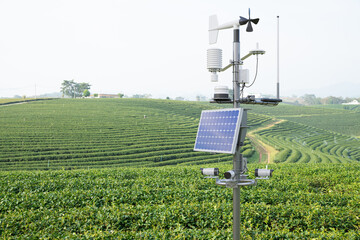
(81, 87)
(86, 93)
(141, 96)
(73, 89)
(311, 99)
(332, 100)
(120, 95)
(67, 88)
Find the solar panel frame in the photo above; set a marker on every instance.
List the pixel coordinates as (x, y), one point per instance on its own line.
(218, 130)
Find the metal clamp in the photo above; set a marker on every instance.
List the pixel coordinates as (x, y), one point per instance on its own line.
(231, 183)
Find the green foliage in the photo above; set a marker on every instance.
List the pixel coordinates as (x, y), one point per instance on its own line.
(282, 156)
(302, 201)
(332, 100)
(7, 101)
(96, 133)
(74, 89)
(306, 200)
(56, 134)
(86, 93)
(311, 99)
(248, 152)
(301, 143)
(336, 118)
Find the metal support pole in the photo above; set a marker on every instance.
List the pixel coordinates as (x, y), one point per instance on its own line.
(237, 156)
(236, 195)
(278, 73)
(236, 67)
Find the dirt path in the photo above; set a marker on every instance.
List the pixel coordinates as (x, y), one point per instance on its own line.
(263, 148)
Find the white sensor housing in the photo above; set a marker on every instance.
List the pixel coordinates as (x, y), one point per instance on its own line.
(210, 171)
(214, 77)
(214, 59)
(263, 172)
(221, 93)
(244, 75)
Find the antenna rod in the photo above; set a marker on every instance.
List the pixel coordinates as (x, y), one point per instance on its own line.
(278, 74)
(236, 66)
(237, 158)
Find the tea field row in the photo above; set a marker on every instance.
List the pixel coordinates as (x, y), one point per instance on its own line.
(93, 133)
(336, 118)
(300, 201)
(97, 133)
(9, 101)
(302, 143)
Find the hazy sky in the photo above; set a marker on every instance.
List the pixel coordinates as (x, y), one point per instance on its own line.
(159, 47)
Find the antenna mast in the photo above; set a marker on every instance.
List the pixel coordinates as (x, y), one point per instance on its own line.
(278, 69)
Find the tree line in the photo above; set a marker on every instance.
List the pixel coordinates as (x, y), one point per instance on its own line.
(311, 99)
(73, 89)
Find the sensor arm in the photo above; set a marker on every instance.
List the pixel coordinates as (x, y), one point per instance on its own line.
(253, 52)
(227, 67)
(246, 56)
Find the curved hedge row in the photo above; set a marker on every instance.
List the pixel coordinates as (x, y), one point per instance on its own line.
(301, 143)
(87, 133)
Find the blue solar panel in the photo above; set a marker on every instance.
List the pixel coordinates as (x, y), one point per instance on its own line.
(218, 130)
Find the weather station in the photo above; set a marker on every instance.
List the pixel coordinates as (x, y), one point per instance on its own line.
(224, 130)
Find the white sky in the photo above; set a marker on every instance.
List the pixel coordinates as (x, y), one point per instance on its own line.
(159, 47)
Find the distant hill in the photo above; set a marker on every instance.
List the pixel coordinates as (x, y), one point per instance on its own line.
(342, 89)
(49, 95)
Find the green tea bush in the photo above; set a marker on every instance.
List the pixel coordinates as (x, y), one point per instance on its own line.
(300, 201)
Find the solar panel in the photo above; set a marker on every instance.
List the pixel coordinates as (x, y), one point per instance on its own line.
(218, 130)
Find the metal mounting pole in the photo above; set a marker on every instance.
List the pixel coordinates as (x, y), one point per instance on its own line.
(278, 74)
(237, 156)
(236, 67)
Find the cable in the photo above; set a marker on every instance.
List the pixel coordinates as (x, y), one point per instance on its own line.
(242, 90)
(257, 64)
(245, 166)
